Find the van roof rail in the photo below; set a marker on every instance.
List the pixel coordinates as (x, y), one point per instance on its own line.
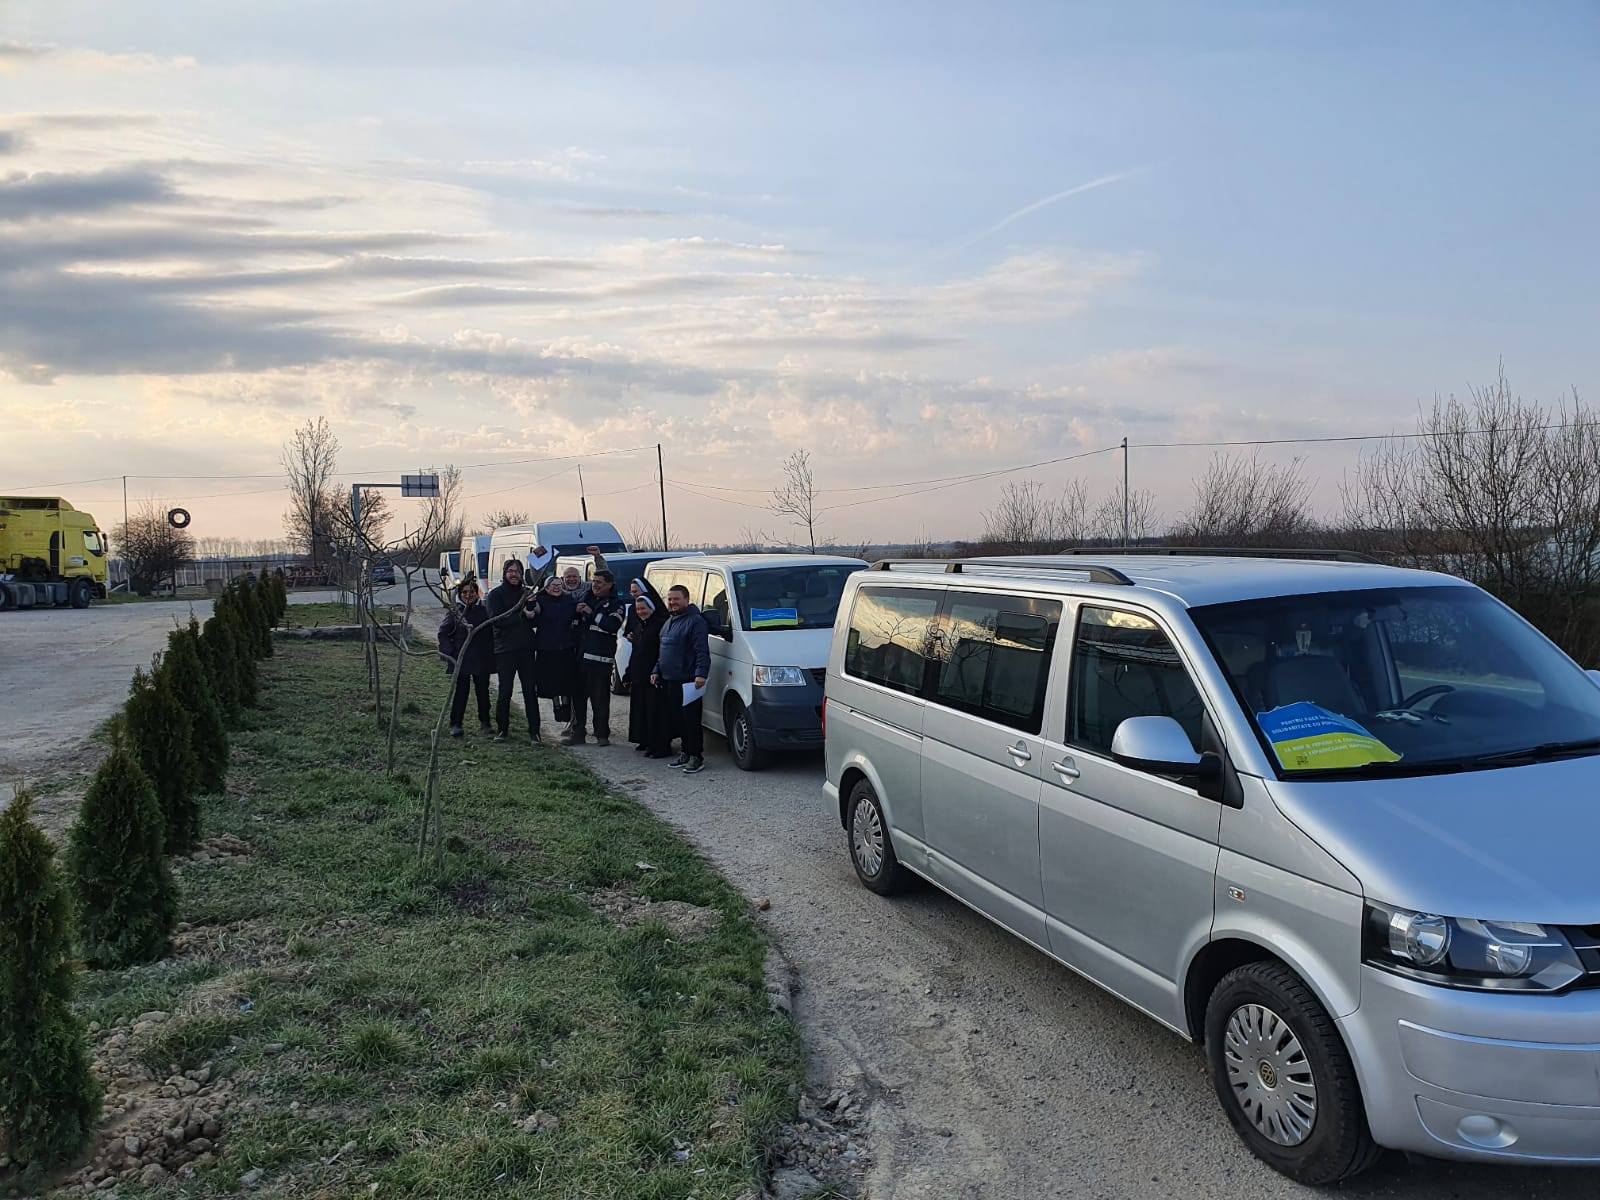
(1352, 556)
(958, 566)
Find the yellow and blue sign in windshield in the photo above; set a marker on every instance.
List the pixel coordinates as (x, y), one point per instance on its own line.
(774, 618)
(1307, 737)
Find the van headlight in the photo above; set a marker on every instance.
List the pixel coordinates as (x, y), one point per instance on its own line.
(779, 677)
(1515, 956)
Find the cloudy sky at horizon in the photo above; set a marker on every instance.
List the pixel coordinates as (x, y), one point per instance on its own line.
(920, 241)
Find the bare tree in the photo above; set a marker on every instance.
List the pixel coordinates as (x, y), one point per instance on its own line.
(501, 517)
(1500, 491)
(309, 458)
(445, 514)
(1106, 522)
(152, 549)
(1026, 519)
(1249, 502)
(796, 496)
(643, 534)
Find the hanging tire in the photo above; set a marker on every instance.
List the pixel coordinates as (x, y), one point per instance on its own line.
(871, 848)
(81, 592)
(1284, 1077)
(747, 756)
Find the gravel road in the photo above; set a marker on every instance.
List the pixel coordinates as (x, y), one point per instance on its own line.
(991, 1071)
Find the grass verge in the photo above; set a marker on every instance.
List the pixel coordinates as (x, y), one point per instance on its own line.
(483, 1031)
(331, 612)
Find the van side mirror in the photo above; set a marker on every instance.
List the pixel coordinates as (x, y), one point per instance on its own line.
(1159, 746)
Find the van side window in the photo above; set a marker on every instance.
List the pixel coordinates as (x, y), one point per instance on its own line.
(716, 601)
(993, 657)
(889, 637)
(1124, 666)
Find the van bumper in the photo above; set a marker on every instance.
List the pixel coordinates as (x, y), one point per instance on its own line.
(1490, 1077)
(787, 718)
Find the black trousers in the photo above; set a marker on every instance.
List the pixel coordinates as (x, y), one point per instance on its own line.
(458, 703)
(592, 693)
(515, 666)
(670, 716)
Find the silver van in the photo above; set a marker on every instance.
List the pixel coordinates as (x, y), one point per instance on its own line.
(1334, 820)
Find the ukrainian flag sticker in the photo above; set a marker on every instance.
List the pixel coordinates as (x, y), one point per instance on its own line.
(1307, 737)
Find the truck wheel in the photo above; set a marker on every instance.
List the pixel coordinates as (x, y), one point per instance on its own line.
(1284, 1077)
(7, 600)
(81, 591)
(747, 756)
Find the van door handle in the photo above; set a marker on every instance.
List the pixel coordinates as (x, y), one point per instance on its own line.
(1019, 753)
(1067, 769)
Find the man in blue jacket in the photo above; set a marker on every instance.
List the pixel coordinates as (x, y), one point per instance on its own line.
(600, 614)
(685, 658)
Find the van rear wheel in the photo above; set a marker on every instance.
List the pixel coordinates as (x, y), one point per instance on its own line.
(1284, 1077)
(871, 848)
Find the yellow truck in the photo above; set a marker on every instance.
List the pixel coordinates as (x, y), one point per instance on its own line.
(50, 553)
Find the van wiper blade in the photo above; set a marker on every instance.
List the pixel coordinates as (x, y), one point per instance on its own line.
(1542, 753)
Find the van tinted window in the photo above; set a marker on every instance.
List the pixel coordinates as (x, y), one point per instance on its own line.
(1124, 666)
(993, 657)
(889, 637)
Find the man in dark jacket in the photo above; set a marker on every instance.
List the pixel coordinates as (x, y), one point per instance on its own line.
(685, 658)
(601, 613)
(476, 653)
(513, 648)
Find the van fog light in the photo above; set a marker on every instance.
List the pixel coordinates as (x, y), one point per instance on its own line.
(1490, 1133)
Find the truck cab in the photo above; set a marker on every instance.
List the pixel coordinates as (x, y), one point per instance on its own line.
(50, 554)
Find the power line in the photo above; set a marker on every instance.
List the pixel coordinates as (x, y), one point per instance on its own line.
(958, 481)
(1353, 437)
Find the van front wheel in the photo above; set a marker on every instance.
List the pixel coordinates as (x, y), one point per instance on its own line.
(747, 756)
(871, 849)
(1284, 1077)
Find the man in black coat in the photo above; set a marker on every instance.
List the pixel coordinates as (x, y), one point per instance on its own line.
(513, 648)
(601, 613)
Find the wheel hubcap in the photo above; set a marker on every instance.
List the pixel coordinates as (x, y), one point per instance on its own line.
(1270, 1075)
(741, 736)
(866, 838)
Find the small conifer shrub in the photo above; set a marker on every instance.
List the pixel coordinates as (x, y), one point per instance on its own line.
(48, 1099)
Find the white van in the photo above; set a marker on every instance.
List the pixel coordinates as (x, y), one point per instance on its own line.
(474, 558)
(561, 537)
(769, 644)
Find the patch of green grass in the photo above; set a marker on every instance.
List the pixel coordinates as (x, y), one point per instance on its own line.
(423, 1012)
(331, 612)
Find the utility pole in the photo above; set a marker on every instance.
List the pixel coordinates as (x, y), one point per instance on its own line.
(1127, 539)
(661, 478)
(124, 506)
(583, 501)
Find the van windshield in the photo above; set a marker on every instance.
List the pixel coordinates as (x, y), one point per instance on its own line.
(790, 597)
(1400, 681)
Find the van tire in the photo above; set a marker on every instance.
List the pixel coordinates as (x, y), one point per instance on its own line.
(863, 808)
(82, 591)
(747, 756)
(1339, 1144)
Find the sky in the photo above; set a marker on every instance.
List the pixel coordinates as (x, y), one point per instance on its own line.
(918, 241)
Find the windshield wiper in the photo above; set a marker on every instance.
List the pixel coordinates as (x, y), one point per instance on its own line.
(1540, 753)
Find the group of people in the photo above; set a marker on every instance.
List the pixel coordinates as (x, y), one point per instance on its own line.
(556, 637)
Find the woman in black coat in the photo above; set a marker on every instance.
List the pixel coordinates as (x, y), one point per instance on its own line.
(555, 640)
(645, 618)
(478, 656)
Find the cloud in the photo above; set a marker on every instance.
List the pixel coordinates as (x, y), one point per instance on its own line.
(1046, 202)
(79, 58)
(46, 194)
(11, 141)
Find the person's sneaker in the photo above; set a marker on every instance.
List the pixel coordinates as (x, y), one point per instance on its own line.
(682, 760)
(694, 766)
(640, 749)
(501, 736)
(602, 741)
(455, 731)
(533, 736)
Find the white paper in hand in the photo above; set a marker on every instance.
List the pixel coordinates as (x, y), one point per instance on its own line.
(692, 693)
